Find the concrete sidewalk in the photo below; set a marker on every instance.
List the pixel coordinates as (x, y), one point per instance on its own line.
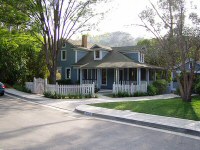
(168, 123)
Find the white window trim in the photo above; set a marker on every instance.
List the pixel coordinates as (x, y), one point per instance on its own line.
(100, 55)
(62, 55)
(66, 73)
(102, 77)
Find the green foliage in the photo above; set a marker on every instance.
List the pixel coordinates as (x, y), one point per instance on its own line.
(126, 94)
(21, 88)
(152, 90)
(138, 94)
(21, 57)
(54, 95)
(161, 86)
(197, 88)
(64, 82)
(177, 92)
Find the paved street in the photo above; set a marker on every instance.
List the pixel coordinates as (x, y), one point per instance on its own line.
(25, 125)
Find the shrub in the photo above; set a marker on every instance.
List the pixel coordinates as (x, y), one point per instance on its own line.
(21, 88)
(151, 90)
(197, 88)
(126, 94)
(64, 82)
(177, 92)
(48, 94)
(138, 94)
(161, 86)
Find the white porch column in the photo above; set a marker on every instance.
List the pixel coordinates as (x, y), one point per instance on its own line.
(147, 76)
(117, 76)
(98, 78)
(81, 76)
(155, 75)
(138, 76)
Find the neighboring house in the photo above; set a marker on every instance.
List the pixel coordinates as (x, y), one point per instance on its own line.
(85, 63)
(188, 65)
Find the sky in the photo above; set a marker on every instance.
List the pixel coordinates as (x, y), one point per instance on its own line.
(122, 16)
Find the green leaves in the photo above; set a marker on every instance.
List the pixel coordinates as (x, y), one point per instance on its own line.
(20, 57)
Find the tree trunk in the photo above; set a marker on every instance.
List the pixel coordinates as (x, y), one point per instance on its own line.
(186, 97)
(52, 77)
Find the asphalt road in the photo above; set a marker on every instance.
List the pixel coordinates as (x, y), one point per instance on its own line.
(24, 125)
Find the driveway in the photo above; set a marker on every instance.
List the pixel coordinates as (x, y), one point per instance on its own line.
(24, 125)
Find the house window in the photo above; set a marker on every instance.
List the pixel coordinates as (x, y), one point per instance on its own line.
(104, 77)
(190, 65)
(68, 73)
(63, 55)
(64, 45)
(58, 73)
(141, 58)
(97, 55)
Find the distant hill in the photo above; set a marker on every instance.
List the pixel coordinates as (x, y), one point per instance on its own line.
(114, 39)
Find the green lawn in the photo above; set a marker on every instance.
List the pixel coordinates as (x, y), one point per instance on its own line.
(172, 107)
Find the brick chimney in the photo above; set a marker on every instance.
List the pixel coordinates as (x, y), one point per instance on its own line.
(84, 41)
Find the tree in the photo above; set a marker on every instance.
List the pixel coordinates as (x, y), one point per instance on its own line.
(179, 41)
(153, 55)
(114, 39)
(57, 21)
(20, 57)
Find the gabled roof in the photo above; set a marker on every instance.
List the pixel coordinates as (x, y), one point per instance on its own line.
(113, 59)
(78, 43)
(129, 48)
(101, 47)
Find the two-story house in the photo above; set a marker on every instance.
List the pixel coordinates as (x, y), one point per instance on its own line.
(86, 63)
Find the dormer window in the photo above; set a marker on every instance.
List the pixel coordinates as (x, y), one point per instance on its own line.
(97, 55)
(141, 57)
(64, 45)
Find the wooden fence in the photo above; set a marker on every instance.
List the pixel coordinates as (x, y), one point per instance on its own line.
(84, 89)
(39, 88)
(129, 88)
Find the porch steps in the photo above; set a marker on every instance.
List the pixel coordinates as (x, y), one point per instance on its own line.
(105, 91)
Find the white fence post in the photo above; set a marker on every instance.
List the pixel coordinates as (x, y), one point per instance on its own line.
(45, 84)
(93, 88)
(57, 88)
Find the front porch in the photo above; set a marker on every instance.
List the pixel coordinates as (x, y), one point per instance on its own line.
(104, 78)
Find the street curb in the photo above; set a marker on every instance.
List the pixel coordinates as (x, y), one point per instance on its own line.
(142, 123)
(19, 96)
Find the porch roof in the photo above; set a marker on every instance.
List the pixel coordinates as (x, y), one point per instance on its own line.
(112, 60)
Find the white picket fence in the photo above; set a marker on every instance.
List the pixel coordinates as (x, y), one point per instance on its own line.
(129, 88)
(84, 89)
(40, 87)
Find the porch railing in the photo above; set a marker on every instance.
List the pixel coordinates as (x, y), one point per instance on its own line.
(130, 88)
(89, 81)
